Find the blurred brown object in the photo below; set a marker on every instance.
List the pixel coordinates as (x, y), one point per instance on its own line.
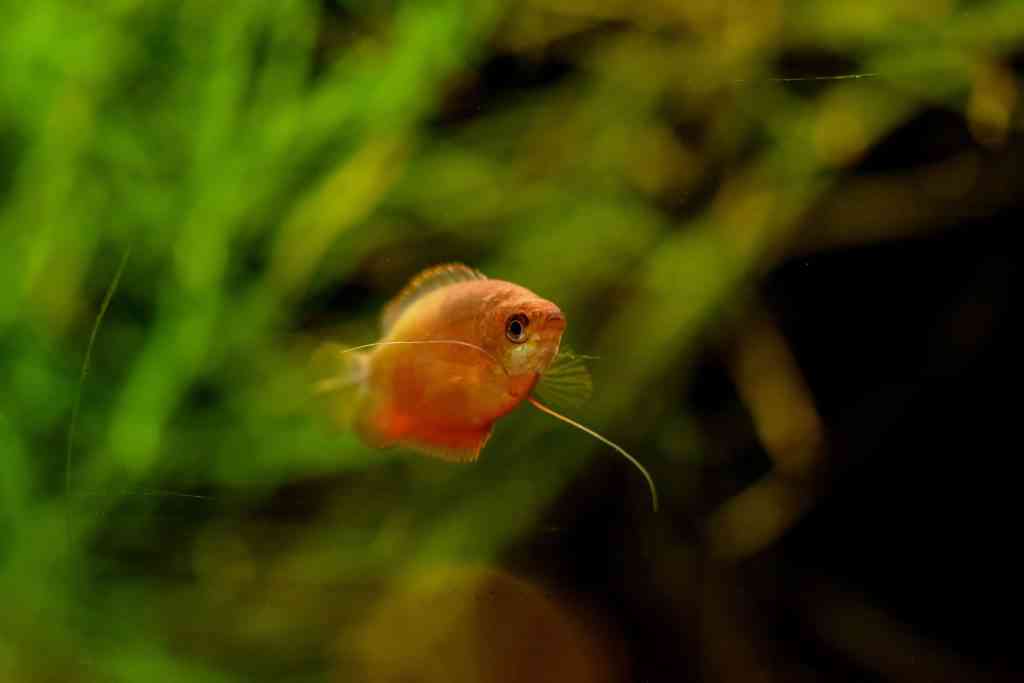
(478, 624)
(773, 389)
(782, 409)
(851, 623)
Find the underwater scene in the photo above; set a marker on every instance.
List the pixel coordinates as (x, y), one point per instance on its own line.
(479, 341)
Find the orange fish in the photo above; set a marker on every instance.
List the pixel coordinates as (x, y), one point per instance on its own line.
(458, 351)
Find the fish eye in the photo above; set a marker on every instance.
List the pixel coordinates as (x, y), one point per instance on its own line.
(515, 328)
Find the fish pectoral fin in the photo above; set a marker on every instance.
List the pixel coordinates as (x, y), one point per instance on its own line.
(463, 446)
(566, 383)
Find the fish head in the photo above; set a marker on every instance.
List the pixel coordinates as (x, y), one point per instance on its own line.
(525, 332)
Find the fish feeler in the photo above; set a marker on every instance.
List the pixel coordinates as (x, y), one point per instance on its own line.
(840, 77)
(77, 405)
(650, 482)
(430, 341)
(325, 386)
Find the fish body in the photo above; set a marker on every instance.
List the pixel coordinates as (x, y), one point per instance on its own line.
(458, 352)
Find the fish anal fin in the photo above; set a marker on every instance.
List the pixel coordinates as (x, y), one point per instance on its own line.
(463, 446)
(381, 426)
(426, 281)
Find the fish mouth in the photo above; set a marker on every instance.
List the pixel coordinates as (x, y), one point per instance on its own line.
(555, 322)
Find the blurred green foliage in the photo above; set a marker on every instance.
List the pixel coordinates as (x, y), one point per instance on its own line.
(278, 169)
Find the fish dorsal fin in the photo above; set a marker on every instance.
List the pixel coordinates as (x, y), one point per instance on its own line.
(427, 281)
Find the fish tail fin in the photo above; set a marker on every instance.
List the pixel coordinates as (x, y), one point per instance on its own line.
(338, 376)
